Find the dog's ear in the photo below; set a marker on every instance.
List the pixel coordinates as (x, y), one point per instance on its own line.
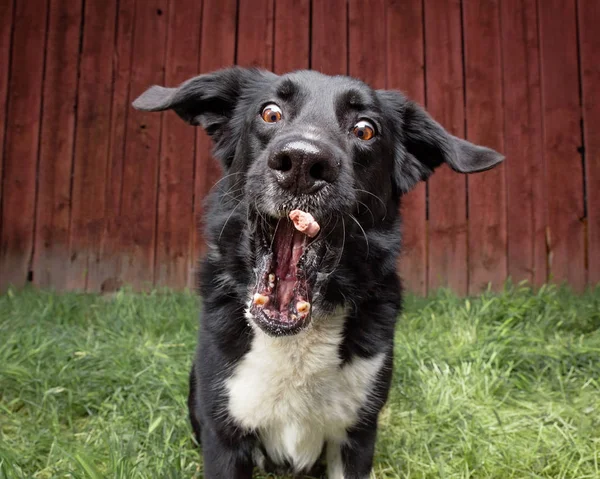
(208, 101)
(422, 144)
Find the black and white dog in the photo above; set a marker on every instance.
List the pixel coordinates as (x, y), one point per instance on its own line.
(294, 361)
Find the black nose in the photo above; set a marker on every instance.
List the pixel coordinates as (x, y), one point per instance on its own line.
(303, 166)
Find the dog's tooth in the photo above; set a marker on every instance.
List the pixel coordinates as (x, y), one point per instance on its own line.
(303, 307)
(260, 299)
(271, 278)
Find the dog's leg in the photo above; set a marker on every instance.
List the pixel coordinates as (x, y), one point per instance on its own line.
(354, 458)
(192, 407)
(222, 461)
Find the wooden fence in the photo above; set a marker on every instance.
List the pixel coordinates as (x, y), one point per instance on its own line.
(95, 195)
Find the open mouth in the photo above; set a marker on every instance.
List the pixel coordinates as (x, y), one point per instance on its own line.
(286, 270)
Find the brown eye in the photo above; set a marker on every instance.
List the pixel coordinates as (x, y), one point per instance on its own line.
(271, 113)
(364, 130)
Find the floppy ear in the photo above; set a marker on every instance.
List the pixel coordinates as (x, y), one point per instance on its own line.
(425, 145)
(209, 101)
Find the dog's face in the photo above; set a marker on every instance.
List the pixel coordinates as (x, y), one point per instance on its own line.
(329, 146)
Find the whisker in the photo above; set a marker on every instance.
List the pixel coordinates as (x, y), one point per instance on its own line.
(363, 232)
(227, 220)
(339, 259)
(274, 234)
(369, 210)
(374, 196)
(231, 190)
(224, 178)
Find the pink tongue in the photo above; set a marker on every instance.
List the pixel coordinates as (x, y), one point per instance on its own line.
(289, 245)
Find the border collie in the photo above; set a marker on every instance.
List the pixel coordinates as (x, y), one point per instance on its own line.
(299, 288)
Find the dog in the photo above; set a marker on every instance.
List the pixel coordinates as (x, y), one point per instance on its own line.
(295, 350)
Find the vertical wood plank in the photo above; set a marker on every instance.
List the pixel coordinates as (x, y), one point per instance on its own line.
(447, 238)
(562, 138)
(329, 37)
(485, 121)
(217, 51)
(6, 24)
(526, 202)
(91, 141)
(255, 33)
(589, 40)
(405, 64)
(292, 42)
(21, 146)
(51, 252)
(138, 211)
(367, 42)
(176, 182)
(104, 273)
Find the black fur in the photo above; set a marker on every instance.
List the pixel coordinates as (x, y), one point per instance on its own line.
(355, 256)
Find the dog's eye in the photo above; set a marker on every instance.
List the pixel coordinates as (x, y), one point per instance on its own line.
(271, 113)
(364, 130)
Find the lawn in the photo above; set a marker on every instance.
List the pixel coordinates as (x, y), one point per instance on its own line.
(498, 386)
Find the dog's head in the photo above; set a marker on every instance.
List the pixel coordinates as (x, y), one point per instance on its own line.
(329, 146)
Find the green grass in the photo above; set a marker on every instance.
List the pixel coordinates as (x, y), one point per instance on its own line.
(499, 386)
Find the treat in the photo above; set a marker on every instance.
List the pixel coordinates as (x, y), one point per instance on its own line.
(305, 223)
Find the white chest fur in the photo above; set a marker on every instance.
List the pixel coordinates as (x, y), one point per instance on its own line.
(296, 394)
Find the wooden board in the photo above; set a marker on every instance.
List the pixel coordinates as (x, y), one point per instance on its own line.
(217, 51)
(589, 40)
(104, 275)
(176, 181)
(329, 37)
(562, 138)
(526, 200)
(405, 63)
(51, 251)
(6, 19)
(140, 171)
(91, 142)
(21, 145)
(292, 35)
(447, 224)
(255, 33)
(485, 121)
(367, 42)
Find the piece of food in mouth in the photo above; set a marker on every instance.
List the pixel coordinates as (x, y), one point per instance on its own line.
(305, 223)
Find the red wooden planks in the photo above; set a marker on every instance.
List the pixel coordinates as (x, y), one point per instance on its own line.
(103, 275)
(6, 18)
(562, 138)
(405, 72)
(255, 33)
(51, 252)
(367, 42)
(589, 40)
(447, 248)
(21, 146)
(91, 141)
(526, 201)
(487, 194)
(176, 182)
(329, 48)
(292, 43)
(217, 51)
(140, 170)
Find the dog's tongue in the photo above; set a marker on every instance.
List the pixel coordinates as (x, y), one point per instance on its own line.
(289, 245)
